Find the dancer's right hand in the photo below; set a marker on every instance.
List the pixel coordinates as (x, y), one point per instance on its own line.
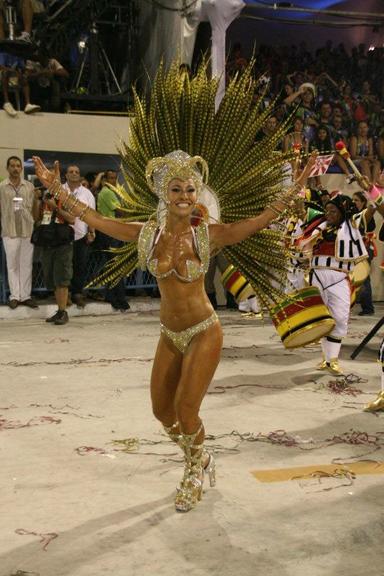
(46, 176)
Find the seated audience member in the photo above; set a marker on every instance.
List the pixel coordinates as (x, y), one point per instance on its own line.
(47, 77)
(13, 67)
(24, 10)
(296, 138)
(325, 115)
(362, 152)
(236, 62)
(325, 145)
(306, 111)
(340, 131)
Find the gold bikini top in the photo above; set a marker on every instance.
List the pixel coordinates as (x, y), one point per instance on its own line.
(148, 239)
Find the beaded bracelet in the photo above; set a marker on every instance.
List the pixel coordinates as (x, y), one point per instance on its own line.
(284, 201)
(74, 204)
(66, 200)
(83, 212)
(55, 189)
(275, 210)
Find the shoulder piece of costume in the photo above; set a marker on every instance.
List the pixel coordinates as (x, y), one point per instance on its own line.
(179, 133)
(202, 245)
(146, 242)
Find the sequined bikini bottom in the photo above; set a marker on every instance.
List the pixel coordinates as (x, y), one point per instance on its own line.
(183, 338)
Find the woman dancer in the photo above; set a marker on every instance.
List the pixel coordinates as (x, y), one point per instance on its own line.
(178, 255)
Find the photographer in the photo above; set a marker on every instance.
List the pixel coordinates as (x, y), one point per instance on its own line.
(56, 252)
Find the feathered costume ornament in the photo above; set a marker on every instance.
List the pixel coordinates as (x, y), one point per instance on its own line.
(245, 174)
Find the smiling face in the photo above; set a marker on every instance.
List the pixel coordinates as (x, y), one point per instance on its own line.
(333, 215)
(182, 196)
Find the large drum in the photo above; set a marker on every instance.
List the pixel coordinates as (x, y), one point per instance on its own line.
(236, 284)
(302, 318)
(360, 273)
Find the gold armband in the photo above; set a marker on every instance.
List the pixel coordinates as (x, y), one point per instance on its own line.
(75, 202)
(83, 213)
(55, 189)
(275, 210)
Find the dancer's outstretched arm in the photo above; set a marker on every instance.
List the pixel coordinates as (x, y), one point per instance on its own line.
(227, 234)
(116, 228)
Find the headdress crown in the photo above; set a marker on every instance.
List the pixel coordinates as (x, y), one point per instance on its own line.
(177, 164)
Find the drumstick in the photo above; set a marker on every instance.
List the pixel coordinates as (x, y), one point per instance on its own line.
(342, 150)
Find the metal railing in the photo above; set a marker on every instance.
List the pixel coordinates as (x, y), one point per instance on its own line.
(138, 280)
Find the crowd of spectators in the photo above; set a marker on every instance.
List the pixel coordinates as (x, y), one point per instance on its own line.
(28, 74)
(65, 264)
(330, 94)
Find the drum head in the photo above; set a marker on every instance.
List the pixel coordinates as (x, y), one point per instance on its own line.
(360, 272)
(310, 333)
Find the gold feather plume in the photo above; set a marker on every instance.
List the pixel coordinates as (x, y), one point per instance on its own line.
(244, 170)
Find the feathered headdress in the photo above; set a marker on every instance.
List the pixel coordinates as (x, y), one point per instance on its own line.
(178, 133)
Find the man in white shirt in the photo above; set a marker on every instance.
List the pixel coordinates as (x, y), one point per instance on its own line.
(84, 235)
(19, 207)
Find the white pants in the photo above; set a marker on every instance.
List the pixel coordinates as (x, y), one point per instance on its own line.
(295, 279)
(19, 254)
(336, 293)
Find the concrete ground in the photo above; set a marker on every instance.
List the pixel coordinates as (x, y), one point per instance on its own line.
(87, 478)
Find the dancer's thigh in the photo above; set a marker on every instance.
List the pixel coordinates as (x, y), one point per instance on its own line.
(199, 365)
(166, 372)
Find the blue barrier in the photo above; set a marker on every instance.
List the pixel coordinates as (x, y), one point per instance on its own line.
(137, 280)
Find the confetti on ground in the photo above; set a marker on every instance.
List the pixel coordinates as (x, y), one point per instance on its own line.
(45, 539)
(345, 385)
(77, 362)
(15, 424)
(82, 450)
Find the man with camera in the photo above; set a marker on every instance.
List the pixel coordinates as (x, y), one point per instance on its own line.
(55, 237)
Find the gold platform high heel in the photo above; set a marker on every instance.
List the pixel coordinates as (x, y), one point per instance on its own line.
(377, 404)
(210, 469)
(190, 490)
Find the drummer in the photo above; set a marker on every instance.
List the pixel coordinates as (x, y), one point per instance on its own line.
(336, 245)
(365, 295)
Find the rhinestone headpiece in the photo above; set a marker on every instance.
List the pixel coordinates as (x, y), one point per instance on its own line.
(177, 164)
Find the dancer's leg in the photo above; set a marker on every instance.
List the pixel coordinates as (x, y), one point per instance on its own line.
(166, 373)
(199, 365)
